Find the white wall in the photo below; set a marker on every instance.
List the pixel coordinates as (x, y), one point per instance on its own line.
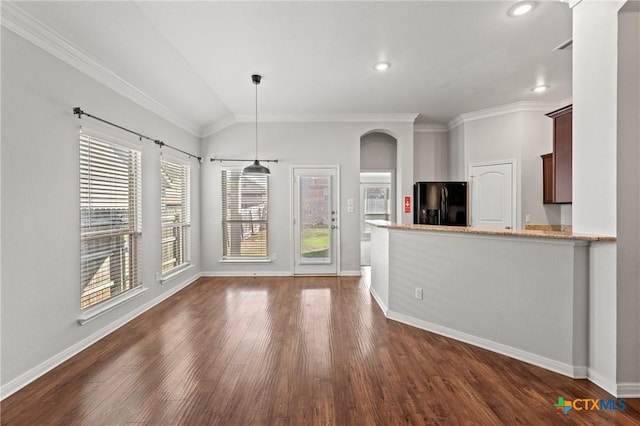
(40, 206)
(378, 152)
(456, 158)
(430, 156)
(518, 134)
(628, 196)
(595, 46)
(533, 307)
(296, 144)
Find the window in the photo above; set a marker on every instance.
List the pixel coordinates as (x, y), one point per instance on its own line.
(110, 216)
(244, 215)
(176, 215)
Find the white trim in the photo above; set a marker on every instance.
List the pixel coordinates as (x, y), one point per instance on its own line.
(380, 301)
(109, 305)
(329, 118)
(26, 26)
(576, 372)
(176, 271)
(602, 382)
(175, 157)
(245, 260)
(24, 379)
(247, 273)
(357, 273)
(293, 213)
(572, 3)
(430, 128)
(524, 106)
(628, 390)
(111, 136)
(318, 118)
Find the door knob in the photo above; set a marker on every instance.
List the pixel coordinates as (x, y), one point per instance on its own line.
(333, 219)
(333, 226)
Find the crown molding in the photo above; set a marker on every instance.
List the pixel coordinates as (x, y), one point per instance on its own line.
(430, 128)
(329, 118)
(525, 106)
(26, 26)
(314, 118)
(571, 3)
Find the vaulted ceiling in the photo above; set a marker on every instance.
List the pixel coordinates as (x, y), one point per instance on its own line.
(196, 58)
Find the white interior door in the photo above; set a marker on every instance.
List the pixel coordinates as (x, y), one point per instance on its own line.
(315, 220)
(492, 195)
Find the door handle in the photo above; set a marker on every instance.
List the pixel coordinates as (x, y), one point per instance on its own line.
(333, 219)
(334, 226)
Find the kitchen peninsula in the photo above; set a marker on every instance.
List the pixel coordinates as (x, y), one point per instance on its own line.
(522, 293)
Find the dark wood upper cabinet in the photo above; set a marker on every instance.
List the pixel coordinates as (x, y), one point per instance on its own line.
(547, 178)
(562, 154)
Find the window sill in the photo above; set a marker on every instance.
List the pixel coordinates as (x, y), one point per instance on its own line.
(240, 260)
(92, 313)
(175, 272)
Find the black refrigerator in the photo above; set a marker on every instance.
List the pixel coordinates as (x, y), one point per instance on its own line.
(440, 203)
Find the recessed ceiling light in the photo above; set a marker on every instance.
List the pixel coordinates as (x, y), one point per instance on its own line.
(381, 66)
(541, 88)
(522, 8)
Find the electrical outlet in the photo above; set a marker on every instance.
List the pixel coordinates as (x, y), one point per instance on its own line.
(527, 218)
(419, 293)
(274, 256)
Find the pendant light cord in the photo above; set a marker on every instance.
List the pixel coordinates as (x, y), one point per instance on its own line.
(257, 120)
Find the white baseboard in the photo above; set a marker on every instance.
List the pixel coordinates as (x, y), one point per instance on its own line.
(537, 360)
(603, 382)
(267, 273)
(351, 273)
(24, 379)
(380, 301)
(247, 273)
(628, 390)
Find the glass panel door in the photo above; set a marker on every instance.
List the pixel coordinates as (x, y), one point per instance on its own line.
(315, 221)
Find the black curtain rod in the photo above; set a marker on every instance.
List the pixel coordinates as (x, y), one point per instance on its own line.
(244, 161)
(80, 113)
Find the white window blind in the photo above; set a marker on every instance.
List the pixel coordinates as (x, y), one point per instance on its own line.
(110, 215)
(176, 215)
(244, 215)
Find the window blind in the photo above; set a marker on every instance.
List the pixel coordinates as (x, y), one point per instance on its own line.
(244, 215)
(176, 214)
(110, 216)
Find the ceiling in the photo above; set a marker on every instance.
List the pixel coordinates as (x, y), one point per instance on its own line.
(316, 58)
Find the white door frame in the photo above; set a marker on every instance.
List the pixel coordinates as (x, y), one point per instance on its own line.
(392, 192)
(292, 210)
(515, 223)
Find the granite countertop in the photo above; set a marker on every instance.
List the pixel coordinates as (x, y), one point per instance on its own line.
(528, 233)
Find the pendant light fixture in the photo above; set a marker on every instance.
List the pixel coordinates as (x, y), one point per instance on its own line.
(256, 168)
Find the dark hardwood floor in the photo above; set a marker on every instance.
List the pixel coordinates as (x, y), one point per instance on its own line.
(293, 351)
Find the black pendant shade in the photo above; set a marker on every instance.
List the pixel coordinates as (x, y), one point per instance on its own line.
(256, 168)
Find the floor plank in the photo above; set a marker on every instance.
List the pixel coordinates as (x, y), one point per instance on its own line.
(293, 351)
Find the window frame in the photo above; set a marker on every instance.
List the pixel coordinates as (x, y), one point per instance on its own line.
(184, 226)
(94, 150)
(235, 258)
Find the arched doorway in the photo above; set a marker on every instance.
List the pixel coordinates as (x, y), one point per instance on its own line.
(378, 159)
